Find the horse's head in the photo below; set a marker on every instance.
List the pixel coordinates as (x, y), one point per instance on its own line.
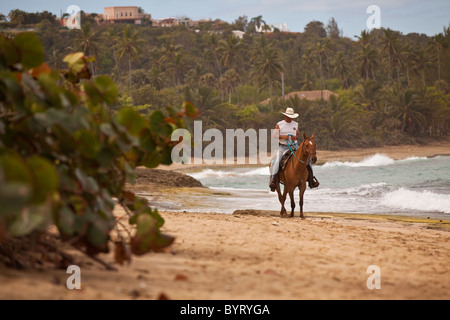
(309, 147)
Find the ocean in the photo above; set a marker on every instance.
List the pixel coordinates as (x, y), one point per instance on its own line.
(416, 186)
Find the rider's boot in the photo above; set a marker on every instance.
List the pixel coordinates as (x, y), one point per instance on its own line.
(273, 182)
(312, 181)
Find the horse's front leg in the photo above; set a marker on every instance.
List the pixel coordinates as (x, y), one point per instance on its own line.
(282, 199)
(302, 189)
(291, 196)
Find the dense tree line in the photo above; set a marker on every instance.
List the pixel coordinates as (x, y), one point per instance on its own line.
(391, 88)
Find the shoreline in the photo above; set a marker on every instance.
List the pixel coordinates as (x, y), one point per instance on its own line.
(431, 149)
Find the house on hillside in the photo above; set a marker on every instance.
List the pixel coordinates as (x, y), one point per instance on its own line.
(308, 95)
(124, 15)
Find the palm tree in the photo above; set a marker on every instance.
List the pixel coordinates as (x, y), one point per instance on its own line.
(367, 57)
(372, 98)
(231, 80)
(208, 80)
(368, 94)
(407, 108)
(327, 49)
(87, 40)
(212, 45)
(267, 66)
(178, 67)
(340, 123)
(113, 38)
(230, 51)
(309, 63)
(307, 83)
(128, 46)
(55, 59)
(364, 38)
(341, 68)
(258, 22)
(439, 43)
(421, 63)
(156, 77)
(320, 53)
(389, 43)
(409, 58)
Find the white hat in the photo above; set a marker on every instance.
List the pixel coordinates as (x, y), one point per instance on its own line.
(290, 113)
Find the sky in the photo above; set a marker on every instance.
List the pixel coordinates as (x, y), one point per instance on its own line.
(406, 16)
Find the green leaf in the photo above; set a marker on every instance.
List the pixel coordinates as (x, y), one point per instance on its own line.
(13, 198)
(98, 233)
(66, 221)
(33, 218)
(148, 237)
(87, 143)
(158, 125)
(76, 62)
(131, 120)
(156, 120)
(15, 169)
(8, 52)
(88, 184)
(45, 178)
(147, 143)
(30, 49)
(107, 89)
(151, 160)
(166, 156)
(190, 110)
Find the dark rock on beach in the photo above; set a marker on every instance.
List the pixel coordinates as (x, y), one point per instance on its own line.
(164, 179)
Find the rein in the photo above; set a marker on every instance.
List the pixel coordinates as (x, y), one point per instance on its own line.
(291, 147)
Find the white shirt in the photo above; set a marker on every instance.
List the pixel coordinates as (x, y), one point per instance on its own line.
(287, 129)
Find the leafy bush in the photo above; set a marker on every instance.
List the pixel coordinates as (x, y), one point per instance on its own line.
(65, 159)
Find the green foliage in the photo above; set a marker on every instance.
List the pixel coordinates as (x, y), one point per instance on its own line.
(156, 67)
(64, 157)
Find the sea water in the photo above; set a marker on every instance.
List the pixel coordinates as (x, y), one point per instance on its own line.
(417, 186)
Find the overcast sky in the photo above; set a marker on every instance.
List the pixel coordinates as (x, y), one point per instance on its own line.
(407, 16)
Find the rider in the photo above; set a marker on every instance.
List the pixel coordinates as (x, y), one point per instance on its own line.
(287, 129)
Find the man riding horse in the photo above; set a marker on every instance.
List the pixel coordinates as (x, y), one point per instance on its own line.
(288, 134)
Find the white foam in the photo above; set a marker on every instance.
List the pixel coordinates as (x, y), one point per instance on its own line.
(376, 160)
(208, 173)
(263, 171)
(211, 173)
(414, 200)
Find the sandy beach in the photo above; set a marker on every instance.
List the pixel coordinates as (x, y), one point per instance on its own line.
(258, 255)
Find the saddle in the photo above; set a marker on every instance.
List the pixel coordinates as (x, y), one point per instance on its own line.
(284, 159)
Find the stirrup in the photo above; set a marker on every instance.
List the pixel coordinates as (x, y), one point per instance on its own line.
(314, 183)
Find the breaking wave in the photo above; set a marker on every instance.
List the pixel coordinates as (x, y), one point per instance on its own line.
(377, 160)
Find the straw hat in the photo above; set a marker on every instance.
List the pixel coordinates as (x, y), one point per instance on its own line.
(290, 113)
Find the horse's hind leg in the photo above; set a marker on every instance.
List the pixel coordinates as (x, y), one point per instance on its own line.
(291, 195)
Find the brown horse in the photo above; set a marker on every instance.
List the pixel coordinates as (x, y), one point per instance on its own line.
(295, 174)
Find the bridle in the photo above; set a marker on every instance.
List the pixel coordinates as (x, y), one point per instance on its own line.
(291, 147)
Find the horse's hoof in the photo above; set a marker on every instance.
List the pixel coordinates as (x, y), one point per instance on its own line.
(302, 217)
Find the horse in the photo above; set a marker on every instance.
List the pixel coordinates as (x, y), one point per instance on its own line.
(295, 174)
